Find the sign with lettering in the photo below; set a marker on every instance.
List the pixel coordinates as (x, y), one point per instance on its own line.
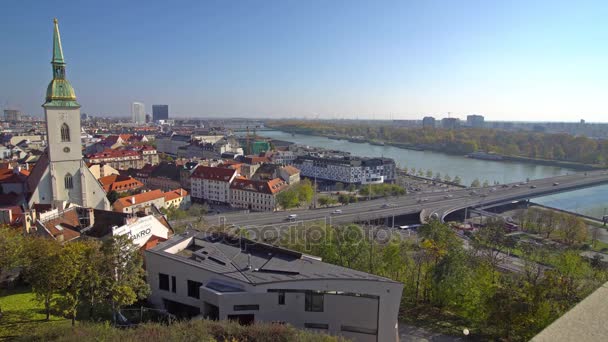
(142, 229)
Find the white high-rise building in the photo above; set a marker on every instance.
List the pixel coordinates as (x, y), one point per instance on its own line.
(138, 113)
(61, 176)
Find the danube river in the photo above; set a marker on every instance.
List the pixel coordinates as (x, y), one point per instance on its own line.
(592, 201)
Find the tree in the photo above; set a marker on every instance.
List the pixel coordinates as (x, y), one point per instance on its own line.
(429, 173)
(352, 187)
(305, 191)
(491, 242)
(574, 230)
(12, 251)
(475, 183)
(447, 178)
(326, 200)
(344, 199)
(457, 180)
(43, 271)
(288, 199)
(438, 176)
(122, 272)
(113, 196)
(485, 183)
(72, 264)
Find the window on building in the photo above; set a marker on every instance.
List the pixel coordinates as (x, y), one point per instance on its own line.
(316, 325)
(163, 281)
(67, 181)
(313, 302)
(281, 297)
(194, 289)
(173, 284)
(246, 307)
(65, 133)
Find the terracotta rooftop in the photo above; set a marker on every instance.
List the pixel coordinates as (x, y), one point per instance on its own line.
(171, 195)
(108, 153)
(119, 183)
(139, 198)
(214, 173)
(12, 176)
(267, 187)
(291, 170)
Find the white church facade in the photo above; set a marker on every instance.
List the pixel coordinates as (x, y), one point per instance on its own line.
(61, 176)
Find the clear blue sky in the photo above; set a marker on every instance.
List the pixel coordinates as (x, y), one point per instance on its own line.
(508, 60)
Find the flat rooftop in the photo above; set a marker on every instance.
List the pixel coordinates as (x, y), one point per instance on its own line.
(253, 262)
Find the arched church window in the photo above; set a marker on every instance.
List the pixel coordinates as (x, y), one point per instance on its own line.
(67, 180)
(65, 133)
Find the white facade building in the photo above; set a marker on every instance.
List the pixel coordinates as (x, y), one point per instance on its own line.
(211, 184)
(138, 113)
(349, 170)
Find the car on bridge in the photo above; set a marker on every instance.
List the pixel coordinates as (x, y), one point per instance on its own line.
(336, 212)
(555, 184)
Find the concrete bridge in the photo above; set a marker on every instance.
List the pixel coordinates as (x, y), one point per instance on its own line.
(437, 204)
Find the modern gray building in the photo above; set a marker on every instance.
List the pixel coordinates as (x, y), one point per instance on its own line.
(476, 121)
(12, 115)
(219, 276)
(160, 112)
(428, 122)
(450, 123)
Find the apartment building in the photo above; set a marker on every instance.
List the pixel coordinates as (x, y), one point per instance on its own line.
(140, 202)
(179, 198)
(347, 169)
(124, 159)
(226, 277)
(211, 184)
(256, 195)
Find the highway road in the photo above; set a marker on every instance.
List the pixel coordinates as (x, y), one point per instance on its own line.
(438, 203)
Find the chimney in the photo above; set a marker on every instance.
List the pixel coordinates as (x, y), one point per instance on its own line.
(132, 199)
(91, 214)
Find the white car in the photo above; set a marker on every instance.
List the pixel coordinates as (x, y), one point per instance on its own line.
(336, 212)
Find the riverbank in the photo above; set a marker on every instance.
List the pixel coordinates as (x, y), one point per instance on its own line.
(508, 158)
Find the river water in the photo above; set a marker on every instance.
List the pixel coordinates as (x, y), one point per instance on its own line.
(591, 201)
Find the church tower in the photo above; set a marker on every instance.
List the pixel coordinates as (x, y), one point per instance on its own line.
(62, 177)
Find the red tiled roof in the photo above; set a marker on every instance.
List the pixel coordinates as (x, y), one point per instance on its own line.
(125, 137)
(108, 153)
(272, 186)
(171, 195)
(213, 173)
(119, 183)
(65, 224)
(291, 170)
(255, 160)
(139, 198)
(9, 176)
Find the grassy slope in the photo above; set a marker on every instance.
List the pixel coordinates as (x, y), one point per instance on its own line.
(21, 313)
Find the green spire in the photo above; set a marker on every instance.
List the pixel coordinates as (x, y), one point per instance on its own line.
(57, 50)
(59, 93)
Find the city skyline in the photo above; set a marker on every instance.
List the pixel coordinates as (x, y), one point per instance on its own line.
(516, 61)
